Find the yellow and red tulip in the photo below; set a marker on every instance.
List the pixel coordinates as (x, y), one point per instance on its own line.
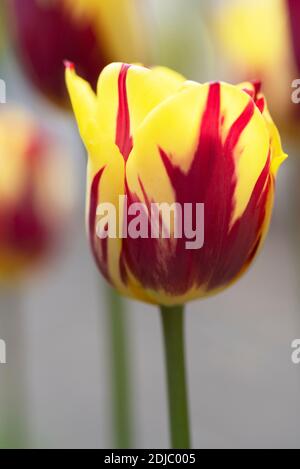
(154, 137)
(34, 193)
(90, 32)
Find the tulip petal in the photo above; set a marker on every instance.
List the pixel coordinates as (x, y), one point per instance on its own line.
(166, 128)
(154, 137)
(84, 105)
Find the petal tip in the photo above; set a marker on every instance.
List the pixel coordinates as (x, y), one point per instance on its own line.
(277, 162)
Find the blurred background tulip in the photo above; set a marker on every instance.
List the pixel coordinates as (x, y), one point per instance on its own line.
(132, 141)
(91, 33)
(35, 201)
(141, 154)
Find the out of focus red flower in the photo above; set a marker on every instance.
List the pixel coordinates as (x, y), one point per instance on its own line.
(91, 33)
(1, 29)
(294, 17)
(34, 193)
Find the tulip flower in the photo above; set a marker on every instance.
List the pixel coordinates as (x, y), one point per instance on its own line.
(153, 137)
(90, 32)
(34, 193)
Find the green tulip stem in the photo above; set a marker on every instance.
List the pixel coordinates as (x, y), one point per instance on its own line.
(120, 371)
(172, 321)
